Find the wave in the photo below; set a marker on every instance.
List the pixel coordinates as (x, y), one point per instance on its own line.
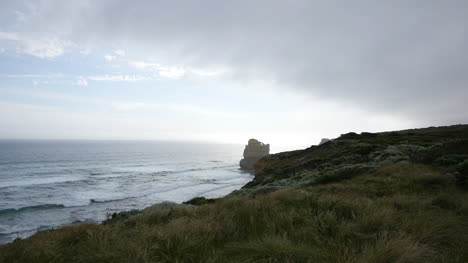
(40, 181)
(156, 191)
(93, 201)
(31, 208)
(96, 173)
(101, 201)
(136, 165)
(18, 233)
(193, 169)
(163, 173)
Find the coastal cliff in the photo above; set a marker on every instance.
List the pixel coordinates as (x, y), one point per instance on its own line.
(254, 151)
(372, 197)
(355, 154)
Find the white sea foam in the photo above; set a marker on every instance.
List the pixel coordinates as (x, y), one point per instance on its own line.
(30, 181)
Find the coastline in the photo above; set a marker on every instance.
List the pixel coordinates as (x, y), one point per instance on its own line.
(51, 184)
(371, 197)
(109, 216)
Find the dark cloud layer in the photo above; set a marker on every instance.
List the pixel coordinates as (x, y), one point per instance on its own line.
(404, 57)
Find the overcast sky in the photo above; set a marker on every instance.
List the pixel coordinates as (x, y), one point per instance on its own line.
(285, 72)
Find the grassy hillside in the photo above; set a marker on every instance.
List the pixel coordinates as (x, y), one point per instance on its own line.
(387, 197)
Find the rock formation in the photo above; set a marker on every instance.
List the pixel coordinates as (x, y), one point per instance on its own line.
(253, 152)
(324, 140)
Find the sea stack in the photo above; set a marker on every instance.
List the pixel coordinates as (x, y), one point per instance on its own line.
(253, 152)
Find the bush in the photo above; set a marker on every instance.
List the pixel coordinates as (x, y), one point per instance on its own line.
(120, 216)
(338, 173)
(349, 135)
(397, 153)
(364, 148)
(369, 134)
(199, 201)
(451, 159)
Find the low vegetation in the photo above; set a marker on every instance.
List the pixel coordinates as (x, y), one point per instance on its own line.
(385, 198)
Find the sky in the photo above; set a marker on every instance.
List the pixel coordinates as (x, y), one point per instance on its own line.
(285, 72)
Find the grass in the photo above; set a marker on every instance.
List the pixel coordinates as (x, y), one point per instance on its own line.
(402, 212)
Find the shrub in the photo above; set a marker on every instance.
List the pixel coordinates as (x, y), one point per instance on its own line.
(338, 173)
(451, 159)
(349, 135)
(120, 216)
(199, 201)
(369, 134)
(364, 148)
(397, 153)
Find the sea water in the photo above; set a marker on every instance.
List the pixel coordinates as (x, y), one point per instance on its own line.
(47, 184)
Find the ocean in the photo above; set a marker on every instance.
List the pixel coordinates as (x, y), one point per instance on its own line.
(46, 184)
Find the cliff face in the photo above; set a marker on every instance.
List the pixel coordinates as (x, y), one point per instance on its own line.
(352, 154)
(253, 152)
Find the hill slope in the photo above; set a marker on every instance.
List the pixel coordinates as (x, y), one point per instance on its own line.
(386, 197)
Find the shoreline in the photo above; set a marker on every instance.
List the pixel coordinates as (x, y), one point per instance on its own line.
(108, 216)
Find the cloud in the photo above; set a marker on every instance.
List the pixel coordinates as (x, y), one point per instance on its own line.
(9, 36)
(175, 72)
(85, 51)
(44, 76)
(171, 72)
(82, 82)
(406, 58)
(117, 78)
(183, 108)
(109, 57)
(143, 65)
(129, 106)
(38, 82)
(120, 52)
(20, 16)
(41, 47)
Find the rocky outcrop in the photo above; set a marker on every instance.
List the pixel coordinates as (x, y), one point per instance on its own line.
(253, 152)
(324, 140)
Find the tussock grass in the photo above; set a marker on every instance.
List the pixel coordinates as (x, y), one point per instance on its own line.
(401, 212)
